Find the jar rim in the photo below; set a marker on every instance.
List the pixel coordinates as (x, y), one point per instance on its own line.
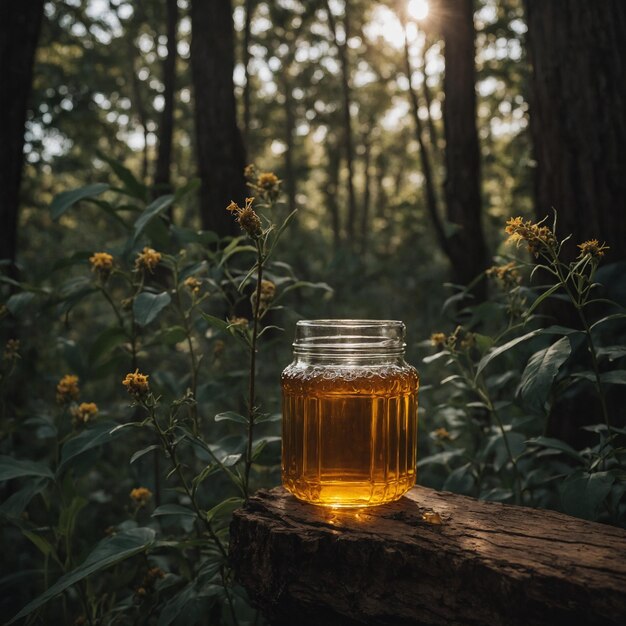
(335, 337)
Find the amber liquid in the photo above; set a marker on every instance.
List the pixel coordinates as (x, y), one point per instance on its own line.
(349, 434)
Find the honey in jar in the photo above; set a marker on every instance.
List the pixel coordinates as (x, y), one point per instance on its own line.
(349, 414)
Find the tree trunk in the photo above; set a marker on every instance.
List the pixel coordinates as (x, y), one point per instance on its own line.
(290, 175)
(468, 249)
(220, 149)
(429, 558)
(249, 7)
(577, 51)
(20, 23)
(432, 203)
(162, 181)
(367, 188)
(331, 189)
(342, 49)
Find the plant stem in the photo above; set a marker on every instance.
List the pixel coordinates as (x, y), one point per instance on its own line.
(253, 348)
(171, 449)
(193, 409)
(594, 359)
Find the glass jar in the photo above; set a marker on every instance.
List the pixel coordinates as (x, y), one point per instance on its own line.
(349, 413)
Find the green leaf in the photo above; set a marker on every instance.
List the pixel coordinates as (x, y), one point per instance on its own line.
(612, 353)
(105, 342)
(147, 306)
(615, 377)
(15, 504)
(551, 330)
(131, 185)
(93, 437)
(150, 212)
(19, 302)
(170, 336)
(108, 552)
(16, 468)
(546, 294)
(461, 480)
(231, 416)
(41, 543)
(555, 444)
(143, 452)
(582, 494)
(215, 322)
(173, 509)
(65, 200)
(540, 372)
(608, 318)
(224, 508)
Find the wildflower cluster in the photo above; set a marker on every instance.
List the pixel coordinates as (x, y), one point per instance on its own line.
(147, 260)
(136, 384)
(265, 184)
(441, 434)
(267, 294)
(193, 284)
(247, 218)
(141, 496)
(102, 263)
(507, 275)
(460, 339)
(67, 389)
(592, 249)
(84, 412)
(538, 238)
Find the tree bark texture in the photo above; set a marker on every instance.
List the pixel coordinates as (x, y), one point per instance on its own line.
(429, 558)
(162, 172)
(462, 185)
(578, 117)
(20, 23)
(219, 145)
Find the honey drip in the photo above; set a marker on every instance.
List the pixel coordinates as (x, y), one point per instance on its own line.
(349, 434)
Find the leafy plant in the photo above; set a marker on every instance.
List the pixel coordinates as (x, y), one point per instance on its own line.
(493, 439)
(192, 311)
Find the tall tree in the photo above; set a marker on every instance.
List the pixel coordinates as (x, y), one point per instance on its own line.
(342, 48)
(20, 23)
(468, 249)
(577, 115)
(219, 145)
(166, 128)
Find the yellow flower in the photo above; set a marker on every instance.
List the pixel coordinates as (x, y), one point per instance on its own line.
(538, 238)
(84, 412)
(148, 259)
(506, 274)
(250, 171)
(441, 434)
(267, 180)
(593, 248)
(238, 321)
(67, 389)
(11, 350)
(141, 496)
(101, 262)
(248, 220)
(268, 290)
(136, 384)
(438, 339)
(193, 284)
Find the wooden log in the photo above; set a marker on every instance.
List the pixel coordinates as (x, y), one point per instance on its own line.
(429, 558)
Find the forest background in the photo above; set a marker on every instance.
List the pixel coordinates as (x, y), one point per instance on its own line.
(405, 135)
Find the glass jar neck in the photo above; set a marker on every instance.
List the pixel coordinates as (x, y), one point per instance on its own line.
(349, 342)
